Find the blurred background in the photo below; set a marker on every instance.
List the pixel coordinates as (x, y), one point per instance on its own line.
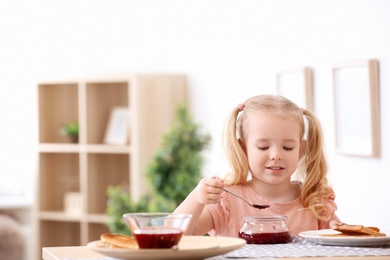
(229, 51)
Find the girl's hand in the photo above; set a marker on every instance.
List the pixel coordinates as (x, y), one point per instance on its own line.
(209, 190)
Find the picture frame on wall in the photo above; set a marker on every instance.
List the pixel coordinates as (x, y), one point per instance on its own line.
(296, 85)
(117, 131)
(356, 106)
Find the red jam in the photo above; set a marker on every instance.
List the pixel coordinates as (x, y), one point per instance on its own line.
(266, 238)
(157, 237)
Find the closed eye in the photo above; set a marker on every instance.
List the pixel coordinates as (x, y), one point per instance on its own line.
(263, 148)
(288, 148)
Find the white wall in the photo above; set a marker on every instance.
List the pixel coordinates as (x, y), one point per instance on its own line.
(230, 50)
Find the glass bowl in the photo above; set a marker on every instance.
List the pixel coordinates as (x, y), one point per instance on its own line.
(157, 230)
(265, 230)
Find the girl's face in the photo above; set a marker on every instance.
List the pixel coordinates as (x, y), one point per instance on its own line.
(273, 148)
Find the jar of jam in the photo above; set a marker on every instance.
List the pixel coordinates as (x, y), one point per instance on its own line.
(265, 230)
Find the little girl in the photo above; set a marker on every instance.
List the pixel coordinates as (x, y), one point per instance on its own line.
(275, 150)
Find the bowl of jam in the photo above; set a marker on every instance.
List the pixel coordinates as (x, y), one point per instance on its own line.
(265, 230)
(157, 230)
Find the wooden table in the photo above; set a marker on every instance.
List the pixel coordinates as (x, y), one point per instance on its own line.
(80, 252)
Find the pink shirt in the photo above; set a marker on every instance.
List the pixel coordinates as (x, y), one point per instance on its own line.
(227, 214)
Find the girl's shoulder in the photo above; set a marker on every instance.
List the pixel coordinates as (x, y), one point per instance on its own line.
(329, 193)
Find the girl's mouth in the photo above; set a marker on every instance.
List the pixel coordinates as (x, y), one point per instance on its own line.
(275, 168)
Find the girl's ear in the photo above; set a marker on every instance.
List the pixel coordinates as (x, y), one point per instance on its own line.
(302, 148)
(242, 144)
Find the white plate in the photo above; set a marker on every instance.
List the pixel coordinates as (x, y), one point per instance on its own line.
(190, 247)
(317, 236)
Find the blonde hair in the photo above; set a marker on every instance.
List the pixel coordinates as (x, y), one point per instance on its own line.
(312, 167)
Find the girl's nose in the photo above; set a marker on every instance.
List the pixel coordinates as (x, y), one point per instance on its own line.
(276, 156)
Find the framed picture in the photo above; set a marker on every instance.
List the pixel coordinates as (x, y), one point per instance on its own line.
(296, 85)
(117, 131)
(356, 100)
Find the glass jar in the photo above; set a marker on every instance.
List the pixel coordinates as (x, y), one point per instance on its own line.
(265, 230)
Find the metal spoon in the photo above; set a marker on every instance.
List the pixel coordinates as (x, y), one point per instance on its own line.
(250, 204)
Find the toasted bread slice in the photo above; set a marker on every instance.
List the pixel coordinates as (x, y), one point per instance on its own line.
(119, 240)
(358, 230)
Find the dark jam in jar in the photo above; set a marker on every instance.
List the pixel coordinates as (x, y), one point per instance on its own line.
(157, 237)
(266, 238)
(265, 229)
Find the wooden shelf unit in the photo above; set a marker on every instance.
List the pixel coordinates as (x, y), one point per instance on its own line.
(90, 166)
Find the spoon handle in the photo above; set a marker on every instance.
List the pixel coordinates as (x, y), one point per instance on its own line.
(231, 192)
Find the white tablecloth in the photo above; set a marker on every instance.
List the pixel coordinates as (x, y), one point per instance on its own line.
(300, 247)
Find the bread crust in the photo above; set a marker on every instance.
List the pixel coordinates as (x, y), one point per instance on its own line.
(357, 230)
(119, 240)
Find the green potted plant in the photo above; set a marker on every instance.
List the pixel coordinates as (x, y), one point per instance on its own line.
(176, 166)
(71, 130)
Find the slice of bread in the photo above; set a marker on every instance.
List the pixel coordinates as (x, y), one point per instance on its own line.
(119, 240)
(358, 230)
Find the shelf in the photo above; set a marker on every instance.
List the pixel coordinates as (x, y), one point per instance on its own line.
(60, 173)
(58, 148)
(105, 170)
(97, 218)
(115, 149)
(101, 97)
(90, 148)
(59, 216)
(74, 177)
(61, 106)
(62, 216)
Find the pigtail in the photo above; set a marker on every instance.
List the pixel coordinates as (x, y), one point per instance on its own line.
(315, 186)
(234, 153)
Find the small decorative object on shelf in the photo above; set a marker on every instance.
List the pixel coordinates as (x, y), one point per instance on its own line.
(117, 131)
(71, 130)
(72, 203)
